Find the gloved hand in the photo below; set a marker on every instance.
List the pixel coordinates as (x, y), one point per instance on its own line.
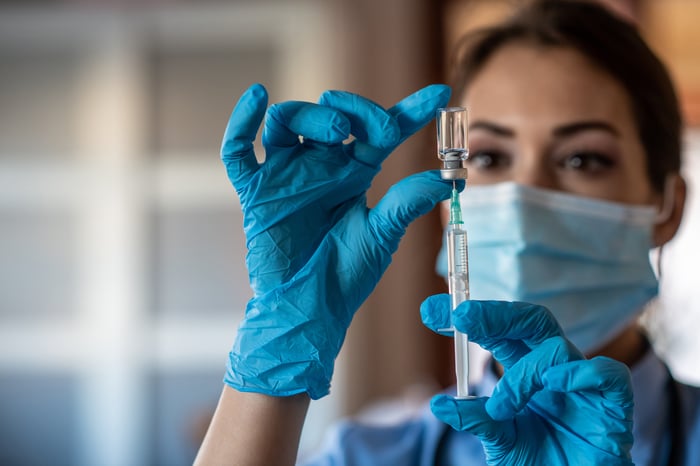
(315, 251)
(552, 406)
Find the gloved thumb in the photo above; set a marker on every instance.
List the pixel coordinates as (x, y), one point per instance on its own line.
(436, 313)
(468, 414)
(404, 202)
(416, 110)
(237, 146)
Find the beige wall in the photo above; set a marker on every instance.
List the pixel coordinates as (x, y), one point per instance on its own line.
(392, 48)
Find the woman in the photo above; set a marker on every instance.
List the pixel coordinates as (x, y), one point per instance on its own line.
(574, 176)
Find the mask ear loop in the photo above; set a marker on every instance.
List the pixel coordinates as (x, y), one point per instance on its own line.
(665, 213)
(650, 320)
(668, 201)
(658, 262)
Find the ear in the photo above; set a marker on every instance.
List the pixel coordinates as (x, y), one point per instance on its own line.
(664, 231)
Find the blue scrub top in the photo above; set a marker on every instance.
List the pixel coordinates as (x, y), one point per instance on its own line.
(666, 413)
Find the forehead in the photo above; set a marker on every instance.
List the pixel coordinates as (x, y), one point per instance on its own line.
(548, 84)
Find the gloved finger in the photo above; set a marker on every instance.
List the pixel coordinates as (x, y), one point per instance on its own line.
(524, 378)
(602, 408)
(435, 313)
(611, 378)
(237, 146)
(287, 121)
(506, 328)
(514, 320)
(369, 122)
(404, 202)
(416, 110)
(470, 415)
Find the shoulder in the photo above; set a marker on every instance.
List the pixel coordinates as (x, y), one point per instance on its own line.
(689, 395)
(689, 399)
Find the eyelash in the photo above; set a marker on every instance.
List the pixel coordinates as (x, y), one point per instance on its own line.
(584, 161)
(488, 159)
(587, 161)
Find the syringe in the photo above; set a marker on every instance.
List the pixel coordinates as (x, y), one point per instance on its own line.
(458, 282)
(453, 152)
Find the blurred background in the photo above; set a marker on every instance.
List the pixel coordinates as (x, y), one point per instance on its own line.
(122, 276)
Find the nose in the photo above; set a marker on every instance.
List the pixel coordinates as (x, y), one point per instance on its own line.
(532, 170)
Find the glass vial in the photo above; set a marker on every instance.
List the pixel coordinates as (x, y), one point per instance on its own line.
(452, 142)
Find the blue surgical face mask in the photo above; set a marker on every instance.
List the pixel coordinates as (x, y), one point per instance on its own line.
(586, 260)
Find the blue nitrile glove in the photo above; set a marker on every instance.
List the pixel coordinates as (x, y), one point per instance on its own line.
(552, 406)
(315, 251)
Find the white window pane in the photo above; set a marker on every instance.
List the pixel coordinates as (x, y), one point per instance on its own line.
(194, 91)
(182, 406)
(38, 252)
(38, 96)
(38, 424)
(199, 264)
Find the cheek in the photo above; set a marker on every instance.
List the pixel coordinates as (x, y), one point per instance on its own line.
(621, 185)
(634, 182)
(609, 190)
(635, 175)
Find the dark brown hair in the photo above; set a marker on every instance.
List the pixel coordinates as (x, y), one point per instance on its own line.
(610, 42)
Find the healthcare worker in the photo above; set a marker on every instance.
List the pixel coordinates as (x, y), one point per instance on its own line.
(574, 176)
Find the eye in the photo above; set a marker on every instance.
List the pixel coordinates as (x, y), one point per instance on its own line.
(488, 160)
(590, 162)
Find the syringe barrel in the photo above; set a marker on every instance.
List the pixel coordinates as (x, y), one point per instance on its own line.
(458, 282)
(457, 264)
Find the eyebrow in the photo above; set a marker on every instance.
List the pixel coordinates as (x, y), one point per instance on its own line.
(492, 128)
(572, 128)
(564, 130)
